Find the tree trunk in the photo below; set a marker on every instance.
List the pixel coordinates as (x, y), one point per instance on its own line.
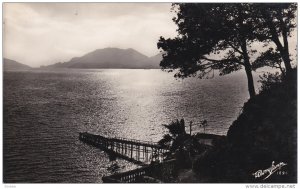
(285, 54)
(287, 61)
(283, 50)
(250, 79)
(248, 70)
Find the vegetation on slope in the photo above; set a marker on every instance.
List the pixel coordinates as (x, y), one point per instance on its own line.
(266, 130)
(265, 133)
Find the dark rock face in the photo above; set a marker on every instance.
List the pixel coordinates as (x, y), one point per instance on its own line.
(264, 135)
(266, 131)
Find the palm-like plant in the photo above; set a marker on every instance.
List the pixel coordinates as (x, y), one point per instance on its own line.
(176, 130)
(177, 140)
(203, 124)
(182, 146)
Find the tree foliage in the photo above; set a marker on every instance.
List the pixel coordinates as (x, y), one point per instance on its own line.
(270, 58)
(218, 36)
(274, 23)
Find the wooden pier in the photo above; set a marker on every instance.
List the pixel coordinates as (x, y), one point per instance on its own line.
(158, 172)
(140, 152)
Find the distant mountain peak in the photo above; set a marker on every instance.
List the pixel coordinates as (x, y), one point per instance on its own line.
(131, 49)
(11, 65)
(111, 57)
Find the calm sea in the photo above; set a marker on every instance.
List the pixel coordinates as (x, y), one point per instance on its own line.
(45, 110)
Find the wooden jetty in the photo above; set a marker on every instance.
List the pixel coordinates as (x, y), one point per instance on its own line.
(137, 151)
(157, 172)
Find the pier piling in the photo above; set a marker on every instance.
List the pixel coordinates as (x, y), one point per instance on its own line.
(134, 150)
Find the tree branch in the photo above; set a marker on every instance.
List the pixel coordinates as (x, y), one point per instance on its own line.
(221, 61)
(236, 49)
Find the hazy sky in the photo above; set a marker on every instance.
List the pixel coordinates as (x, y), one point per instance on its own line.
(45, 33)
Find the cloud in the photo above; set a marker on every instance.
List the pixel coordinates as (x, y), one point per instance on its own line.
(44, 33)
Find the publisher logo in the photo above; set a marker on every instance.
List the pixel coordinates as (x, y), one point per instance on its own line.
(270, 171)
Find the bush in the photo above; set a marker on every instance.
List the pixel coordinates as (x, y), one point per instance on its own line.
(268, 80)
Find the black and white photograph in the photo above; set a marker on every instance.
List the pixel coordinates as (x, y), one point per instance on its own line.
(149, 93)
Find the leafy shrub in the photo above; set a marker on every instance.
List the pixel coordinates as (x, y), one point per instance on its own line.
(268, 80)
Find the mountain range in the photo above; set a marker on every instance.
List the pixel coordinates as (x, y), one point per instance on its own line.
(11, 65)
(112, 58)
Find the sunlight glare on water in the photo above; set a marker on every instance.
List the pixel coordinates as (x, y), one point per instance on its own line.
(45, 110)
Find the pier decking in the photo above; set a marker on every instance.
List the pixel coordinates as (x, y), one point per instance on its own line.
(159, 172)
(137, 151)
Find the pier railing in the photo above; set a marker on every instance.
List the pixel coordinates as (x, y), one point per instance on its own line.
(159, 172)
(133, 150)
(126, 177)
